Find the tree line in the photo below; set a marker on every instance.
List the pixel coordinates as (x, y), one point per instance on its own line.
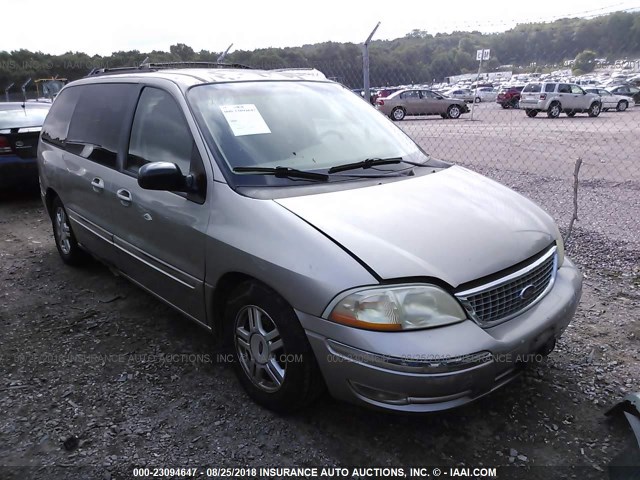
(418, 57)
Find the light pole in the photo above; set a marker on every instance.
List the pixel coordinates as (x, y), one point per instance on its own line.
(24, 89)
(365, 63)
(6, 91)
(224, 54)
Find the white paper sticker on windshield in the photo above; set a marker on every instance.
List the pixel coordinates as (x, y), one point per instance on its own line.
(244, 119)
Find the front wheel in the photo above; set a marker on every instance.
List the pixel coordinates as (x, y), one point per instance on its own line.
(594, 109)
(622, 106)
(454, 111)
(66, 242)
(274, 361)
(478, 99)
(398, 114)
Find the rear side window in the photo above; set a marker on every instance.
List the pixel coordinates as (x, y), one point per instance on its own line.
(159, 133)
(532, 88)
(98, 121)
(550, 87)
(56, 126)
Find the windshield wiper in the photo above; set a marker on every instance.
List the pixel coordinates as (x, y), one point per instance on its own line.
(373, 162)
(284, 172)
(368, 163)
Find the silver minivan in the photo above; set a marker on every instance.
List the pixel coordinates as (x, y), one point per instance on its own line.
(305, 231)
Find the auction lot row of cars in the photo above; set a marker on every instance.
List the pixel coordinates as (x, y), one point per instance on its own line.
(551, 97)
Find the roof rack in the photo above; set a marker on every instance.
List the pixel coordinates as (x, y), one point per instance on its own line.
(153, 67)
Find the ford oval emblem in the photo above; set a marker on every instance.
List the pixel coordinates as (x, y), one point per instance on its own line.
(527, 292)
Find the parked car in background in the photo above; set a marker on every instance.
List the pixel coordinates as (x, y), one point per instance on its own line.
(486, 94)
(359, 264)
(463, 94)
(20, 125)
(509, 97)
(556, 97)
(627, 91)
(611, 101)
(420, 102)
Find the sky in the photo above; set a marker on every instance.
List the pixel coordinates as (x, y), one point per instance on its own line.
(105, 27)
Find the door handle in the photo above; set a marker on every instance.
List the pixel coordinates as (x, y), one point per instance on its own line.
(124, 196)
(97, 184)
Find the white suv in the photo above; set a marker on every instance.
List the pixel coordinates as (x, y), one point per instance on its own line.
(555, 97)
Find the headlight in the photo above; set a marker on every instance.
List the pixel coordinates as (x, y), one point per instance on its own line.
(560, 245)
(397, 308)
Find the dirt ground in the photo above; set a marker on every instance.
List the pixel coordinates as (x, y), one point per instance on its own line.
(88, 358)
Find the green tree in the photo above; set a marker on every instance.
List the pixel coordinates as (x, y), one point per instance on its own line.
(585, 61)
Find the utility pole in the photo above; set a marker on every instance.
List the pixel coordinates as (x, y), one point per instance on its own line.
(365, 64)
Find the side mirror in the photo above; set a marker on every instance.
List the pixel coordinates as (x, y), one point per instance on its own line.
(162, 176)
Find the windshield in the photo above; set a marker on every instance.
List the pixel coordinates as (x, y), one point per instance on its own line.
(309, 126)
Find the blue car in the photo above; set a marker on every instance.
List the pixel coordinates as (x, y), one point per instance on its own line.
(20, 125)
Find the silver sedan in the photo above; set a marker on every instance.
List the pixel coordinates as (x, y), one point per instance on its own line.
(420, 102)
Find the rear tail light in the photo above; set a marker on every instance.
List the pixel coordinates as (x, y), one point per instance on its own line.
(543, 96)
(4, 145)
(380, 101)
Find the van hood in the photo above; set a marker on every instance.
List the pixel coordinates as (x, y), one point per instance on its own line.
(454, 225)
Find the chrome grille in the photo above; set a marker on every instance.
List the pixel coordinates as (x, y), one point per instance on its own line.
(505, 298)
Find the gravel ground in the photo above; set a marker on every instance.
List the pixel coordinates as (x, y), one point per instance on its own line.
(99, 374)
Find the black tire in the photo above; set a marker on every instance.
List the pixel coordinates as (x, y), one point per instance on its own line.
(398, 114)
(571, 113)
(504, 105)
(65, 239)
(454, 111)
(622, 106)
(515, 103)
(554, 110)
(594, 109)
(300, 381)
(478, 99)
(531, 113)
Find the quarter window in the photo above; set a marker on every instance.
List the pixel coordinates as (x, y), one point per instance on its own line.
(96, 126)
(56, 125)
(159, 133)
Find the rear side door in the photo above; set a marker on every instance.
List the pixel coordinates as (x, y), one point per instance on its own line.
(160, 235)
(430, 102)
(412, 102)
(89, 157)
(607, 99)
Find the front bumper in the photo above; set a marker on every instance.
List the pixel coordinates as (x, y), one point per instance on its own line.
(439, 368)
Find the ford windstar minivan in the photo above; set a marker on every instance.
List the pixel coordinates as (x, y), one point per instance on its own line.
(306, 232)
